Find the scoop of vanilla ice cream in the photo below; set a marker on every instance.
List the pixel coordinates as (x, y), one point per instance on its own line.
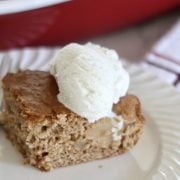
(90, 79)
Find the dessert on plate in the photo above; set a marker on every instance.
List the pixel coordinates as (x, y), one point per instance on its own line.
(79, 111)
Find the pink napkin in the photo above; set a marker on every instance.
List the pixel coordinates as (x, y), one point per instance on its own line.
(164, 58)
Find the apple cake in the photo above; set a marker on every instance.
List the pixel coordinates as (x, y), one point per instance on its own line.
(49, 135)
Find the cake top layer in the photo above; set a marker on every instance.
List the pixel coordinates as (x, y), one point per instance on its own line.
(35, 92)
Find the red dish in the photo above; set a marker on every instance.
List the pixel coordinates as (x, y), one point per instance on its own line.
(75, 20)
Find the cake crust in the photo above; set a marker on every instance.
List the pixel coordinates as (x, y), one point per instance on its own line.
(36, 93)
(49, 135)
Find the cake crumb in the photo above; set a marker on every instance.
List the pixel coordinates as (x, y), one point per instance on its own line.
(100, 166)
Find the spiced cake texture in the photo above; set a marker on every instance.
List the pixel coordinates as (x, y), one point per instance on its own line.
(49, 135)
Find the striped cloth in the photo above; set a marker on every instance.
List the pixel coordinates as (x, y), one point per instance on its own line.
(164, 57)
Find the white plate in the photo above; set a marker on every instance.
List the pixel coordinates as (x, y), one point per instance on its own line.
(156, 156)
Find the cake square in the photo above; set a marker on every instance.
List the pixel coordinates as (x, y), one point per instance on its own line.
(49, 135)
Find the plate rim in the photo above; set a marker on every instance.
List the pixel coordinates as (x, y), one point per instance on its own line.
(168, 94)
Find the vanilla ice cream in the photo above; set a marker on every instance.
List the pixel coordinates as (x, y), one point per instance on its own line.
(90, 79)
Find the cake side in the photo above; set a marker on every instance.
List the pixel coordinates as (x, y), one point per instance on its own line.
(60, 137)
